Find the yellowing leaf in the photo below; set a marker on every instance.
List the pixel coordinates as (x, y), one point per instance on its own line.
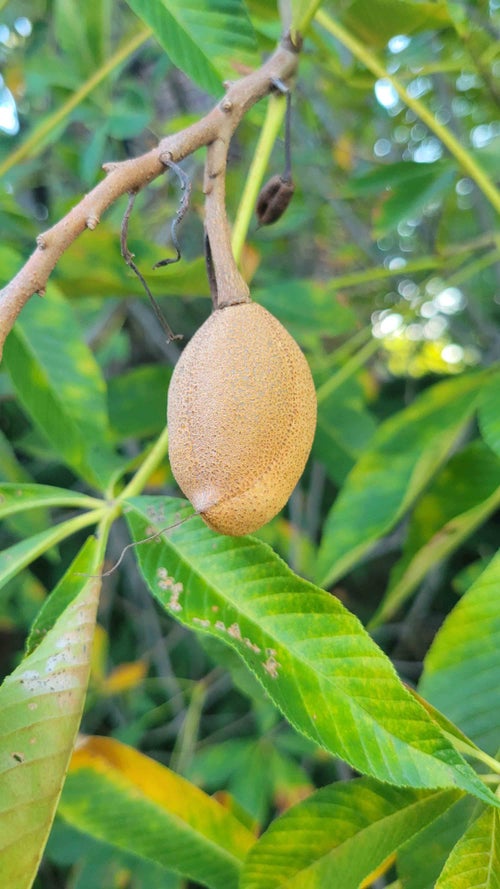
(100, 645)
(118, 795)
(41, 704)
(474, 863)
(124, 677)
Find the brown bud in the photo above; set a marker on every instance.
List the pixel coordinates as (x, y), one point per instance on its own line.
(273, 199)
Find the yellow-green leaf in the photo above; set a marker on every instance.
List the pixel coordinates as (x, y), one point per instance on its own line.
(340, 835)
(474, 863)
(41, 705)
(406, 451)
(117, 794)
(462, 668)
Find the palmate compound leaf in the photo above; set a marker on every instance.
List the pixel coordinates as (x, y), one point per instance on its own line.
(376, 21)
(118, 795)
(61, 386)
(313, 657)
(202, 37)
(489, 415)
(41, 704)
(462, 667)
(474, 863)
(340, 835)
(462, 496)
(421, 859)
(19, 497)
(405, 453)
(19, 555)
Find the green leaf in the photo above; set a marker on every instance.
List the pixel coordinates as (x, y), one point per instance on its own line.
(17, 556)
(376, 21)
(474, 863)
(96, 267)
(405, 189)
(254, 771)
(460, 740)
(303, 11)
(97, 865)
(82, 31)
(121, 796)
(421, 859)
(137, 401)
(313, 657)
(424, 187)
(66, 591)
(339, 835)
(71, 33)
(344, 426)
(464, 494)
(60, 385)
(205, 39)
(405, 453)
(11, 470)
(40, 709)
(489, 415)
(462, 667)
(18, 497)
(307, 307)
(344, 430)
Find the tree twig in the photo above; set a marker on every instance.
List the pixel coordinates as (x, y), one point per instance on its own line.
(215, 129)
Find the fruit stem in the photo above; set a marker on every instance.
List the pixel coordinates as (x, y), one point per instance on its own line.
(153, 459)
(227, 286)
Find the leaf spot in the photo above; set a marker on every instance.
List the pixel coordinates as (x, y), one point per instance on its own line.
(156, 513)
(67, 640)
(169, 583)
(234, 631)
(271, 666)
(201, 622)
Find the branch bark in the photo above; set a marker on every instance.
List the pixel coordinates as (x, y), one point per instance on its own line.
(214, 130)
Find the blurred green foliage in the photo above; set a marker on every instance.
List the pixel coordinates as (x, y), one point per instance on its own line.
(386, 268)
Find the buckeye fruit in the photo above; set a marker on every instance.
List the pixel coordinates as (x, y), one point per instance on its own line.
(241, 417)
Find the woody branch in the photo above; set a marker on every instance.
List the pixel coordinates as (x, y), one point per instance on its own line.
(216, 128)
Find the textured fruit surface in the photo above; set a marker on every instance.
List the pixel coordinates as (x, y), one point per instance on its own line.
(241, 418)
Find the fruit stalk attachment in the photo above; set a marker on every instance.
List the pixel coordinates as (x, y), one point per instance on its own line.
(227, 286)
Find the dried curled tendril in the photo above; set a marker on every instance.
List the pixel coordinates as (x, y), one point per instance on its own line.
(129, 257)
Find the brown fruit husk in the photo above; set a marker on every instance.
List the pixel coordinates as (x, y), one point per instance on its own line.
(241, 417)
